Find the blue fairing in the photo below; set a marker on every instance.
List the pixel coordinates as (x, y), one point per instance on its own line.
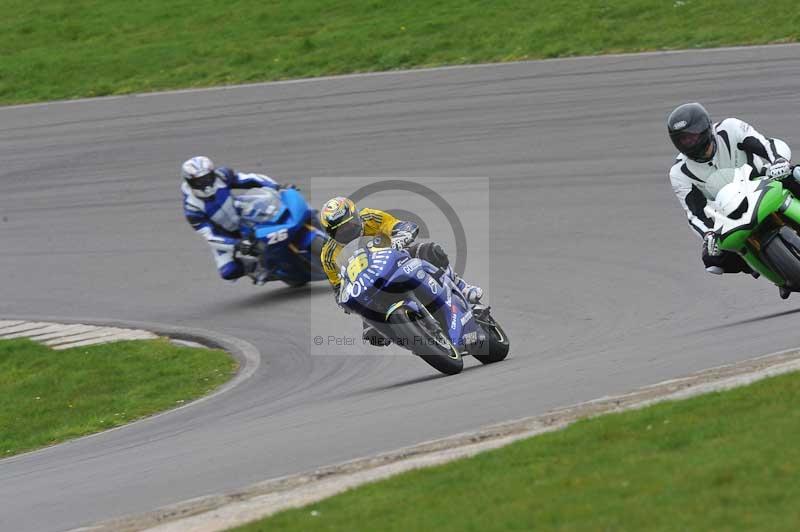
(287, 240)
(392, 274)
(385, 269)
(291, 216)
(442, 298)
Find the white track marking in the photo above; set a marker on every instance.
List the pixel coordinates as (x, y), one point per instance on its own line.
(60, 336)
(22, 327)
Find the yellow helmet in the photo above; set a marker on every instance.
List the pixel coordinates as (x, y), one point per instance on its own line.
(339, 218)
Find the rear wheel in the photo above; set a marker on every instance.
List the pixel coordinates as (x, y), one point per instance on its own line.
(783, 252)
(316, 248)
(313, 261)
(427, 340)
(496, 336)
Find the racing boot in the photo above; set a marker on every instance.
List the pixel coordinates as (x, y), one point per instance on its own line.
(472, 293)
(260, 278)
(255, 271)
(784, 292)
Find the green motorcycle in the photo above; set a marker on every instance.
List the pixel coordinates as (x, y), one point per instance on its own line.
(759, 220)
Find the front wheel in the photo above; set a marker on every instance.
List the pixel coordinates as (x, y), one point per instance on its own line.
(783, 253)
(425, 338)
(495, 335)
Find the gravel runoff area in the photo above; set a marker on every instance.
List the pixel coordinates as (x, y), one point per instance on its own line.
(220, 512)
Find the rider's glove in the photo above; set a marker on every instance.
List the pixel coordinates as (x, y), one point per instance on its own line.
(711, 244)
(404, 234)
(245, 247)
(290, 186)
(401, 239)
(780, 169)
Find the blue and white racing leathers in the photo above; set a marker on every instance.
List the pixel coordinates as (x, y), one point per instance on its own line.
(215, 218)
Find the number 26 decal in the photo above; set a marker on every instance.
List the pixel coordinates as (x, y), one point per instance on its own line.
(277, 236)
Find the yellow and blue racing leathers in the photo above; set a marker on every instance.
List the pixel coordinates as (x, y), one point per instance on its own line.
(375, 223)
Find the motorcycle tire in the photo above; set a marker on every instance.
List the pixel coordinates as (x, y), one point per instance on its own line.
(783, 253)
(499, 344)
(430, 343)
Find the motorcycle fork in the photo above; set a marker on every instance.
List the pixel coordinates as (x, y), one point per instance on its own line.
(791, 212)
(751, 256)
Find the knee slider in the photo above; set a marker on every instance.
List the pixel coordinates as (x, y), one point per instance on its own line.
(231, 271)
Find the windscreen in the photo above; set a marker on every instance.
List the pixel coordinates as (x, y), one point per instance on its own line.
(353, 248)
(718, 180)
(259, 206)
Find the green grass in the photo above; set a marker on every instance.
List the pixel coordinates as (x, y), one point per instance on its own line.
(50, 396)
(724, 461)
(53, 49)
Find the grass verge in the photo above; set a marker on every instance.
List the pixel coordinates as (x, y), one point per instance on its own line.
(54, 49)
(723, 461)
(51, 396)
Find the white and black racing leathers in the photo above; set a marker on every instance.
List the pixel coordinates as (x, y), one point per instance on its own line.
(737, 143)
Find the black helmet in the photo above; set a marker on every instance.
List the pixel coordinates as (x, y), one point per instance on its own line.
(690, 130)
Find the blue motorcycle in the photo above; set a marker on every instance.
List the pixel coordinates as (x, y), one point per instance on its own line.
(284, 233)
(417, 306)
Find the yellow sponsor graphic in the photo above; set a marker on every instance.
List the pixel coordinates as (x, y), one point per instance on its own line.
(393, 308)
(357, 264)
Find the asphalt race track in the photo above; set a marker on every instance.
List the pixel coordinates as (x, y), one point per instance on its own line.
(594, 271)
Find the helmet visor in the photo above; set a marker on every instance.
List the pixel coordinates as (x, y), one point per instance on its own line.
(202, 182)
(689, 141)
(693, 145)
(347, 231)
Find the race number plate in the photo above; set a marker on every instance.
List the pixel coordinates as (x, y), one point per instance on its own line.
(357, 264)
